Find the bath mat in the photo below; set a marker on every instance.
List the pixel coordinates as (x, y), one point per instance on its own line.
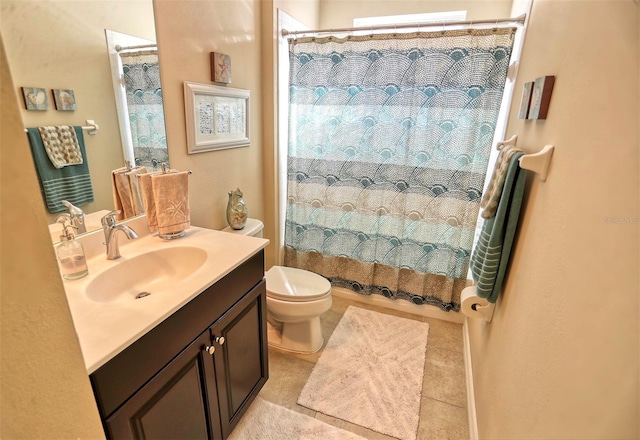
(370, 373)
(267, 421)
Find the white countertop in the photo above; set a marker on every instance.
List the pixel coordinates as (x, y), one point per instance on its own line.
(106, 329)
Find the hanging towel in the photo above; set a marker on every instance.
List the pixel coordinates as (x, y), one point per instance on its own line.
(146, 189)
(136, 193)
(171, 198)
(491, 196)
(126, 192)
(491, 255)
(149, 203)
(61, 144)
(72, 183)
(121, 193)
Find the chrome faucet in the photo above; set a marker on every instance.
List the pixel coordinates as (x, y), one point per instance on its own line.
(76, 215)
(110, 229)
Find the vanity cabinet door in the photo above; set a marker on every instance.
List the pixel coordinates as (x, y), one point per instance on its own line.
(180, 402)
(241, 363)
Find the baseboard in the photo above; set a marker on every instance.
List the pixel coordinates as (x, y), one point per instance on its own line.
(400, 305)
(471, 399)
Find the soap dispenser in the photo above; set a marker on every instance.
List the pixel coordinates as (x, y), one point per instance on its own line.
(73, 263)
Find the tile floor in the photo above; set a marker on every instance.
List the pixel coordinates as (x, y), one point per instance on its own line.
(443, 413)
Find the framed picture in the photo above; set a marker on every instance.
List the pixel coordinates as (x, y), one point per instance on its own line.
(217, 117)
(526, 100)
(64, 99)
(220, 68)
(35, 98)
(540, 97)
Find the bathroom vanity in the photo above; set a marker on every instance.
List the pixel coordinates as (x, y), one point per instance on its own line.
(187, 360)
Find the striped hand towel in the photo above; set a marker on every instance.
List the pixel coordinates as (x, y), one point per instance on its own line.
(491, 255)
(72, 183)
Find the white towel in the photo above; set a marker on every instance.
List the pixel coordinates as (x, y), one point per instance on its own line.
(61, 144)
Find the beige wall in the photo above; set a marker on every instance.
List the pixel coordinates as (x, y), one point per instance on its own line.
(340, 13)
(45, 390)
(560, 358)
(61, 44)
(187, 32)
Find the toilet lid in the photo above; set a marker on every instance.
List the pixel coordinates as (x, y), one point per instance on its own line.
(291, 284)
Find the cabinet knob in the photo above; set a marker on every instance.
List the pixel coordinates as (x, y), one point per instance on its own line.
(220, 340)
(210, 349)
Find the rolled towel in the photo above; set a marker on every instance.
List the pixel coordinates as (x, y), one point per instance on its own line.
(171, 197)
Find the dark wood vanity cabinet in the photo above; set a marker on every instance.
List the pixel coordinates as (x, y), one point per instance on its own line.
(204, 388)
(178, 403)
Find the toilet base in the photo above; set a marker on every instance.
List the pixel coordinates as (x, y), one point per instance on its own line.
(299, 337)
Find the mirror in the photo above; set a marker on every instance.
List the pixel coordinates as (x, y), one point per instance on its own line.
(61, 44)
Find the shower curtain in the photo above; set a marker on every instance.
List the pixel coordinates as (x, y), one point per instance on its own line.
(389, 142)
(144, 102)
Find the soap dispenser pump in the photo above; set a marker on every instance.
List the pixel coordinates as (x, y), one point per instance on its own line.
(73, 262)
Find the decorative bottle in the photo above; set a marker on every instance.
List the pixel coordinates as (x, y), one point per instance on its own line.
(236, 210)
(73, 263)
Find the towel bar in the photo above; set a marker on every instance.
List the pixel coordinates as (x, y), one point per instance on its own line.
(90, 128)
(536, 162)
(511, 141)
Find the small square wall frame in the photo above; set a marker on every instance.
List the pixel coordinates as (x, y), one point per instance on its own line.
(217, 117)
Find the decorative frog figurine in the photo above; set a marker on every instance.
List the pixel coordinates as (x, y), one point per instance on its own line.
(236, 210)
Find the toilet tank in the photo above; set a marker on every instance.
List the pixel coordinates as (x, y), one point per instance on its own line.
(253, 228)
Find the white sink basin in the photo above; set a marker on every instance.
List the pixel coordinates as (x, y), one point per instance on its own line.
(151, 273)
(106, 315)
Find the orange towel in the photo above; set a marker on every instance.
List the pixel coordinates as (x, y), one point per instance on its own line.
(119, 186)
(171, 198)
(149, 203)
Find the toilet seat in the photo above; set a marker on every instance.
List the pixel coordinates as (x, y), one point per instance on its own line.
(295, 285)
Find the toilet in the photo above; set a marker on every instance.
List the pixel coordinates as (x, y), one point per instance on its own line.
(295, 300)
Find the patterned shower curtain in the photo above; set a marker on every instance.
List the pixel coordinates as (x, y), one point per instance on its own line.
(144, 103)
(389, 142)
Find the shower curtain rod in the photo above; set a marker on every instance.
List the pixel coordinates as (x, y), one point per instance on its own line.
(142, 46)
(519, 20)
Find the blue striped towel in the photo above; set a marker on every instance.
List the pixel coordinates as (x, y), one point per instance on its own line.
(72, 183)
(491, 255)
